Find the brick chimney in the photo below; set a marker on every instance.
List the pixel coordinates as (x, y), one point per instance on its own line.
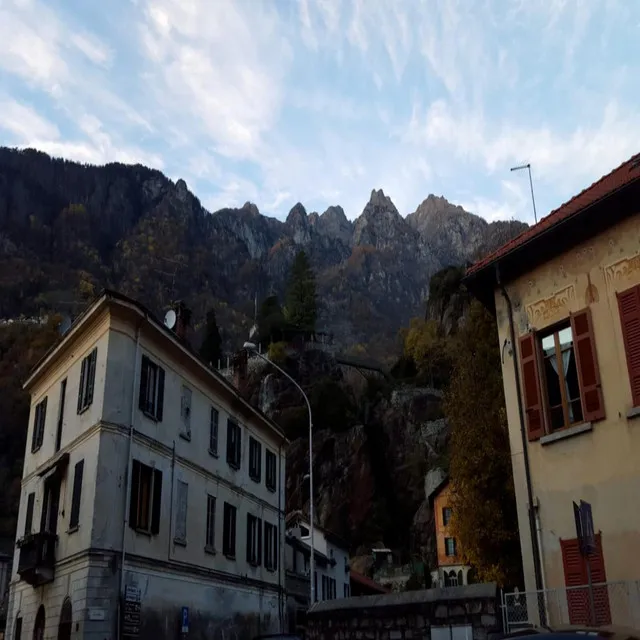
(183, 320)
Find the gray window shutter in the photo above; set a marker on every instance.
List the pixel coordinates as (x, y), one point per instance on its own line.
(181, 510)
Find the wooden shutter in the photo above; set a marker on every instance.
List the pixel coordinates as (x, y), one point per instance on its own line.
(249, 536)
(83, 374)
(531, 386)
(629, 307)
(259, 527)
(74, 518)
(181, 510)
(36, 427)
(575, 575)
(28, 520)
(587, 363)
(93, 356)
(156, 505)
(160, 405)
(42, 417)
(144, 376)
(135, 494)
(600, 594)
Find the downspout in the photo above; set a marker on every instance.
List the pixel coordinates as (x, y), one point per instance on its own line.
(542, 576)
(281, 545)
(127, 479)
(173, 470)
(523, 433)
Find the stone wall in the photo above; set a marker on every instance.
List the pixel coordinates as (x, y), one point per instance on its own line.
(412, 615)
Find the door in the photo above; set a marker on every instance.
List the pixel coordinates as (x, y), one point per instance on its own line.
(64, 627)
(38, 627)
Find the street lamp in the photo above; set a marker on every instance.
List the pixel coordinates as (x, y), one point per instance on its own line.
(528, 166)
(251, 347)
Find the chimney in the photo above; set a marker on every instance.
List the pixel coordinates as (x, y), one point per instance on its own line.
(183, 320)
(240, 369)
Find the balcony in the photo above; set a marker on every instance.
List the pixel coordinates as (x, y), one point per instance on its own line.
(37, 558)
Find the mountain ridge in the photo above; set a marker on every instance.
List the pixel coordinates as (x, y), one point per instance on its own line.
(68, 229)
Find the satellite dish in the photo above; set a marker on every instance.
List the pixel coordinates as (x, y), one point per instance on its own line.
(170, 319)
(65, 325)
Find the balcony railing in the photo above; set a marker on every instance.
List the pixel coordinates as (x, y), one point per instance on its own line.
(37, 558)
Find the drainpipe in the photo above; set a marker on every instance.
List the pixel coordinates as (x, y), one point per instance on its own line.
(523, 433)
(542, 576)
(281, 546)
(127, 479)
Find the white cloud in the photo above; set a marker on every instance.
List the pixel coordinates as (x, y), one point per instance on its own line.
(24, 123)
(92, 48)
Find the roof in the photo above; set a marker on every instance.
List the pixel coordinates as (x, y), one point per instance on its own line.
(620, 177)
(438, 489)
(367, 582)
(300, 544)
(299, 516)
(107, 297)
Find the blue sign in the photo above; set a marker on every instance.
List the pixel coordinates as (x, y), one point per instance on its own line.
(185, 619)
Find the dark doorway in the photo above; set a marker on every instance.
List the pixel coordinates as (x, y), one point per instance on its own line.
(64, 627)
(38, 628)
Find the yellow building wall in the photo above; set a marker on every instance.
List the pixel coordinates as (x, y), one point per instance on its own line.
(601, 466)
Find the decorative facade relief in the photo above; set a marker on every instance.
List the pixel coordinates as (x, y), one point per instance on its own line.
(541, 311)
(622, 269)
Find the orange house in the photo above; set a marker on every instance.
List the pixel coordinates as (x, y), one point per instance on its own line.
(451, 570)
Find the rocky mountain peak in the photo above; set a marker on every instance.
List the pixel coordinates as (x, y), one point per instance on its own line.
(379, 202)
(380, 224)
(333, 223)
(298, 222)
(251, 208)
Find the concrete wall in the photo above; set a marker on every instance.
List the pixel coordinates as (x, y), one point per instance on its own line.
(413, 615)
(599, 465)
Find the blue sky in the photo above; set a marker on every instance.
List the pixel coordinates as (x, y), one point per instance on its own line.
(320, 101)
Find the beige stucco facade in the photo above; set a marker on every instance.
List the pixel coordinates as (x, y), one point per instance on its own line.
(598, 462)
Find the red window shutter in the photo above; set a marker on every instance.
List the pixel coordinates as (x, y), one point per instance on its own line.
(600, 594)
(587, 361)
(531, 387)
(629, 306)
(575, 575)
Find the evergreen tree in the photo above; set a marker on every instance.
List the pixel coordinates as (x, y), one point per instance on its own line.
(271, 321)
(210, 349)
(301, 307)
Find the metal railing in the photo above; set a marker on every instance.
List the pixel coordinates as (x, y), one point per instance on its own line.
(601, 604)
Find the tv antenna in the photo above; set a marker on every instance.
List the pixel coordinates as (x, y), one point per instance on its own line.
(528, 166)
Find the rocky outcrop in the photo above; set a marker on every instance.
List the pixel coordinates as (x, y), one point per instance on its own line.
(68, 229)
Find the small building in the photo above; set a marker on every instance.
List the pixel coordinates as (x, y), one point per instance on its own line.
(147, 481)
(566, 297)
(451, 571)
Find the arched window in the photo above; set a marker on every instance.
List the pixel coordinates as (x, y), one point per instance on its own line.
(38, 628)
(460, 578)
(64, 627)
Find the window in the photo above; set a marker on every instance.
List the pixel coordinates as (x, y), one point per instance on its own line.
(315, 585)
(450, 546)
(214, 417)
(63, 393)
(324, 587)
(40, 415)
(254, 540)
(28, 520)
(255, 460)
(182, 492)
(146, 494)
(270, 473)
(629, 308)
(185, 412)
(18, 630)
(446, 515)
(346, 590)
(233, 444)
(270, 546)
(151, 389)
(576, 575)
(87, 380)
(560, 376)
(229, 531)
(328, 588)
(74, 518)
(332, 588)
(210, 539)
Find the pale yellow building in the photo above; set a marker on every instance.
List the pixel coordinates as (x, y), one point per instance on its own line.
(566, 296)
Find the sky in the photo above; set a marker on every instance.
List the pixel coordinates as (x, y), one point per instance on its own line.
(321, 101)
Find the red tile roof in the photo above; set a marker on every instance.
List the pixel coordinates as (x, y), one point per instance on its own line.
(626, 173)
(368, 582)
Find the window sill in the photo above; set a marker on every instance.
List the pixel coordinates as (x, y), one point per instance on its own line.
(271, 569)
(150, 415)
(634, 412)
(36, 449)
(73, 529)
(256, 479)
(272, 489)
(254, 563)
(210, 550)
(180, 542)
(83, 410)
(142, 532)
(233, 466)
(230, 556)
(185, 436)
(569, 432)
(213, 452)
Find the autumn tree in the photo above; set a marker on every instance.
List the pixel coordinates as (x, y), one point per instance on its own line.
(427, 347)
(484, 508)
(301, 305)
(210, 349)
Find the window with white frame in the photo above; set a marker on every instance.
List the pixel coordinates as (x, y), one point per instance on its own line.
(270, 470)
(214, 417)
(254, 540)
(210, 536)
(255, 460)
(151, 400)
(87, 381)
(270, 546)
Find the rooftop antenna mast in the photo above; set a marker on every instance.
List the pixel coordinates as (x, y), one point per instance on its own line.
(533, 199)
